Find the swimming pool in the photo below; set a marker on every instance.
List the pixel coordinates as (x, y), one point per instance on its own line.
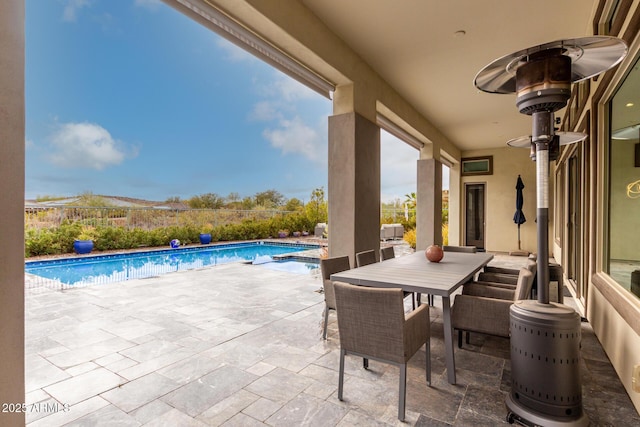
(89, 270)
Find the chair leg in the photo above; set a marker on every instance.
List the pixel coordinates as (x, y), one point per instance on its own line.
(466, 338)
(413, 300)
(365, 363)
(326, 321)
(341, 374)
(418, 299)
(459, 338)
(428, 350)
(402, 395)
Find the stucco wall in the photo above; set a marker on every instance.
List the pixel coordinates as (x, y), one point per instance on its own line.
(12, 385)
(501, 233)
(625, 207)
(618, 339)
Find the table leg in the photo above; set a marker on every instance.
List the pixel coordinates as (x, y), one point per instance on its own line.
(448, 340)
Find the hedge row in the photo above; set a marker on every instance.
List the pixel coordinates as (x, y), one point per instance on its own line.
(59, 240)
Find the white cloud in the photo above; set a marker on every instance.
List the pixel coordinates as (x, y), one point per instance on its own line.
(291, 90)
(285, 89)
(265, 111)
(282, 106)
(70, 12)
(293, 136)
(399, 169)
(149, 4)
(87, 146)
(398, 163)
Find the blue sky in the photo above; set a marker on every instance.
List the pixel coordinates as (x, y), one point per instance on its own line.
(131, 98)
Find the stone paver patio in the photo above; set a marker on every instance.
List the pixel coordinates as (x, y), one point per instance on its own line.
(241, 345)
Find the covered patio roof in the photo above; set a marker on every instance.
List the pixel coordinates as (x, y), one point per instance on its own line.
(417, 57)
(408, 68)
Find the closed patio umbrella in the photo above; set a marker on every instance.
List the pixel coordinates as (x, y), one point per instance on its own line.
(518, 217)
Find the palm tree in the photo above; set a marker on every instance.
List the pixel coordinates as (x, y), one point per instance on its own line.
(410, 200)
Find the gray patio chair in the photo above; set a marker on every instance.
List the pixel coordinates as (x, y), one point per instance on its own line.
(485, 309)
(506, 270)
(386, 232)
(365, 258)
(555, 275)
(387, 253)
(319, 229)
(465, 249)
(506, 277)
(329, 266)
(373, 326)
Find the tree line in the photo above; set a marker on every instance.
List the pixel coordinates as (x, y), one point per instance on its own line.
(268, 199)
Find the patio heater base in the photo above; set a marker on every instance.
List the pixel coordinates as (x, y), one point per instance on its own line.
(527, 417)
(545, 365)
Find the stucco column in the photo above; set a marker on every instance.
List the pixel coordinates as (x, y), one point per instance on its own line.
(354, 185)
(454, 205)
(429, 204)
(12, 388)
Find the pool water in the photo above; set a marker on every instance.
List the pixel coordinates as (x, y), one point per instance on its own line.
(299, 267)
(89, 270)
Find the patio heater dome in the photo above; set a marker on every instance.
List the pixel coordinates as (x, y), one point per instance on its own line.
(563, 138)
(545, 337)
(589, 56)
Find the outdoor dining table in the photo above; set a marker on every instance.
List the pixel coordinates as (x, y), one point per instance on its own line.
(415, 273)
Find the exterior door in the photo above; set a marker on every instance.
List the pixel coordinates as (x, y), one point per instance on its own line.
(475, 215)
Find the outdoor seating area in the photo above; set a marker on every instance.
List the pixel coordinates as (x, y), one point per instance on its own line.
(242, 344)
(319, 230)
(391, 232)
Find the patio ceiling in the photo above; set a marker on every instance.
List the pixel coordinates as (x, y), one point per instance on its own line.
(416, 46)
(428, 51)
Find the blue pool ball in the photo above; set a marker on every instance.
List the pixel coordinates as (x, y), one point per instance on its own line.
(175, 243)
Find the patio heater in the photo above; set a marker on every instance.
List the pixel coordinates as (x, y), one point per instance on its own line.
(545, 336)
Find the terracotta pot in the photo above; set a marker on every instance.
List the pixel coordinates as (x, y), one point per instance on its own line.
(434, 253)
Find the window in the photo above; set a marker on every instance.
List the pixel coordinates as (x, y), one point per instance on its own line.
(477, 166)
(624, 185)
(559, 204)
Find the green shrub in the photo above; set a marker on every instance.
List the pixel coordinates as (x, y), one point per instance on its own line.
(107, 236)
(158, 237)
(65, 235)
(410, 238)
(445, 234)
(39, 242)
